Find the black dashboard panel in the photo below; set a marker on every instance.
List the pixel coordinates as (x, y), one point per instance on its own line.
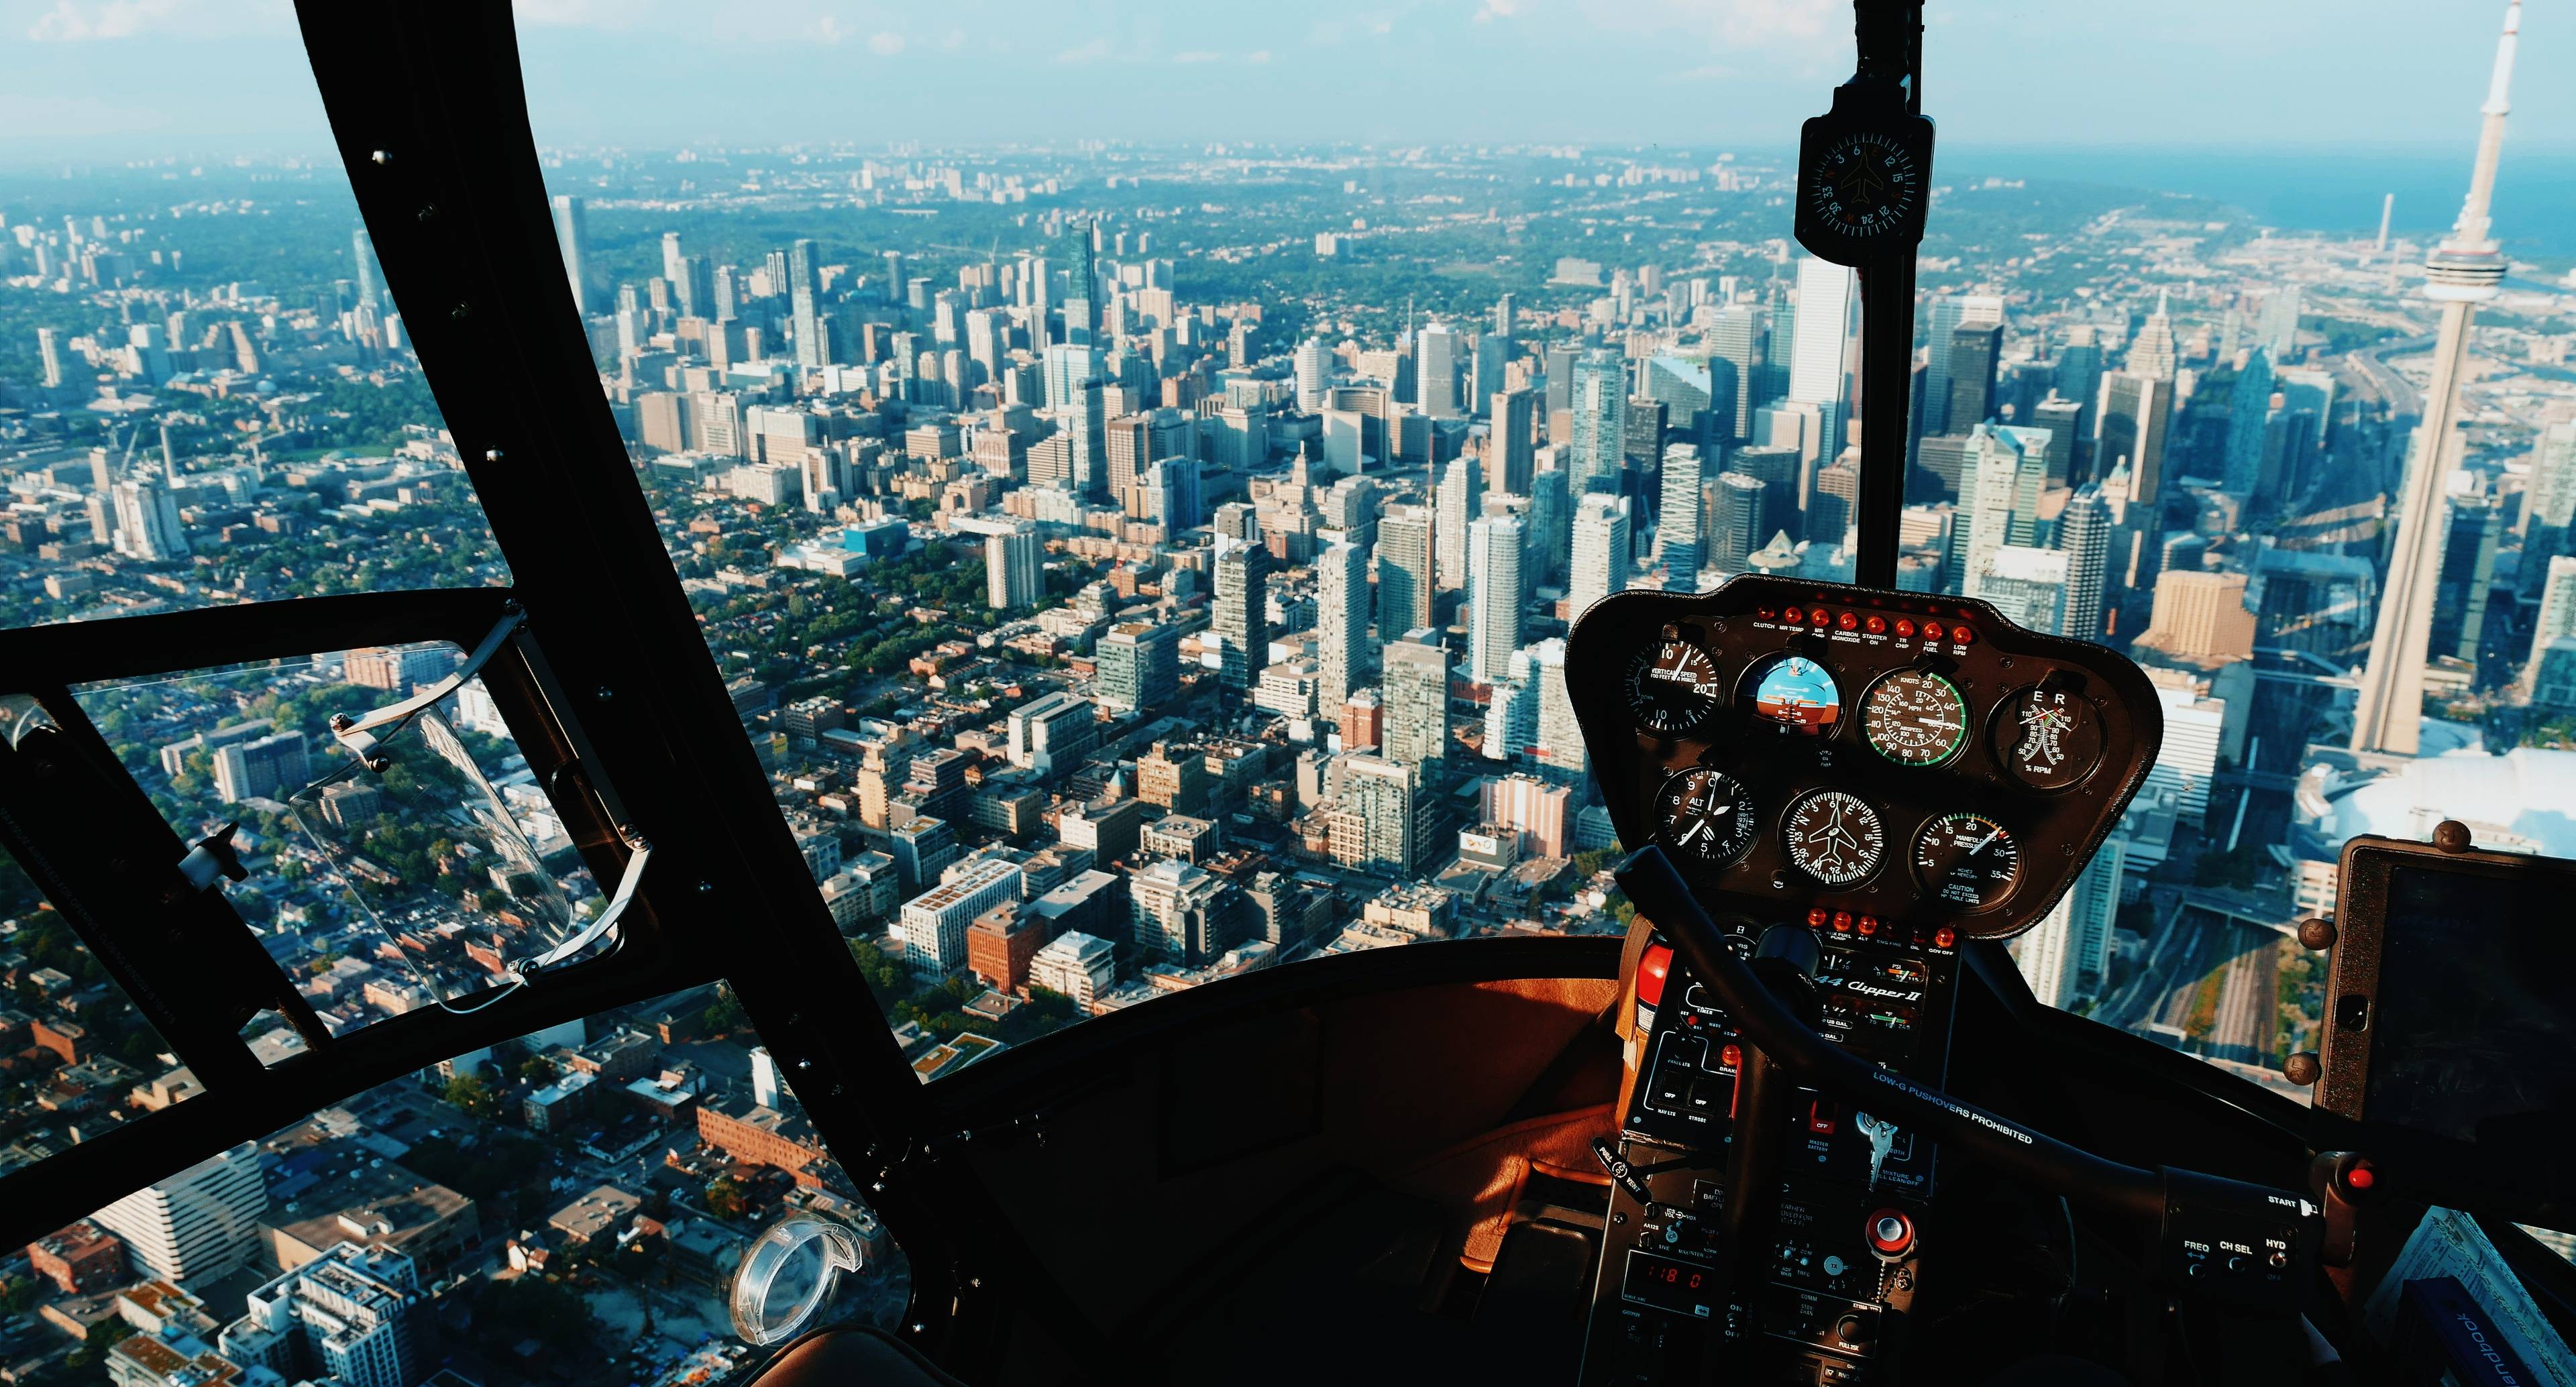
(1915, 759)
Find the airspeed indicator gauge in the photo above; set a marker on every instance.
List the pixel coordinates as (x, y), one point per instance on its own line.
(1915, 718)
(1707, 814)
(1672, 685)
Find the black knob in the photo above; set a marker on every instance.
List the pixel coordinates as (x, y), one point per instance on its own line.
(2302, 1068)
(1856, 1329)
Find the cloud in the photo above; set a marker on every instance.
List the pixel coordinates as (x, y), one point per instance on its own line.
(1752, 22)
(70, 22)
(587, 14)
(1198, 55)
(1706, 72)
(1090, 52)
(1257, 57)
(1498, 9)
(885, 43)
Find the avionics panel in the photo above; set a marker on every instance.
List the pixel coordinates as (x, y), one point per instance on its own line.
(1895, 755)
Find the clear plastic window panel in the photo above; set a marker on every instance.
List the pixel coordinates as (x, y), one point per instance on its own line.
(380, 891)
(580, 1195)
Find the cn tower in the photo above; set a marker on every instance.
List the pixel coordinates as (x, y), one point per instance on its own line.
(2461, 273)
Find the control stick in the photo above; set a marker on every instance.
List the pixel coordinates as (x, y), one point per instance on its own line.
(2222, 1239)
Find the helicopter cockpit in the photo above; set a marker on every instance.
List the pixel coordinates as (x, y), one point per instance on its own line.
(1772, 817)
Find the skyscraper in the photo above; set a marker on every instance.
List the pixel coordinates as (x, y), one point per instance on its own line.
(1013, 576)
(2249, 409)
(1983, 523)
(349, 1316)
(1551, 526)
(1310, 365)
(2028, 585)
(1404, 587)
(1603, 551)
(2136, 409)
(1386, 798)
(1600, 422)
(1462, 499)
(1735, 527)
(2151, 354)
(2557, 615)
(1494, 546)
(1510, 455)
(1560, 736)
(1678, 522)
(362, 249)
(1974, 352)
(49, 352)
(1075, 248)
(1241, 617)
(2465, 270)
(1415, 694)
(1818, 357)
(2084, 532)
(1947, 315)
(1349, 657)
(1138, 666)
(803, 295)
(1438, 357)
(1738, 345)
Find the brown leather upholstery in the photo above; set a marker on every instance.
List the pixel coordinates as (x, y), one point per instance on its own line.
(855, 1357)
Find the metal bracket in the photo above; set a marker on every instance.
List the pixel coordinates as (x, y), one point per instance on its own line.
(358, 734)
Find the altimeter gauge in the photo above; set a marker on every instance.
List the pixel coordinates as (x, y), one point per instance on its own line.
(1707, 814)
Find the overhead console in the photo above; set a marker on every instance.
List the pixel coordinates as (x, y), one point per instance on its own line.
(1894, 774)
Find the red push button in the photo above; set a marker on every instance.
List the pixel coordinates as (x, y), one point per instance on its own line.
(1820, 618)
(2360, 1177)
(1931, 630)
(1820, 1118)
(1890, 1232)
(1848, 621)
(1817, 915)
(1794, 615)
(1869, 924)
(1842, 922)
(1651, 972)
(1730, 1055)
(1944, 937)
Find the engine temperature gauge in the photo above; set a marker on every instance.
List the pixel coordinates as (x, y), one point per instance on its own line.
(1706, 813)
(1672, 685)
(1967, 860)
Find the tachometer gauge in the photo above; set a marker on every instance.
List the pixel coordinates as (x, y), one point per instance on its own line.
(2049, 737)
(1967, 860)
(1672, 685)
(1915, 718)
(1835, 837)
(1798, 695)
(1705, 813)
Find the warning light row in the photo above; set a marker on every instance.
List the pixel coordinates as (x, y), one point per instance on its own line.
(1904, 626)
(1870, 926)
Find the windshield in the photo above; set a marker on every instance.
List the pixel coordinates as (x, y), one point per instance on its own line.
(1141, 560)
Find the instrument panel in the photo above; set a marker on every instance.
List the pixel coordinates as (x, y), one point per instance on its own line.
(1878, 752)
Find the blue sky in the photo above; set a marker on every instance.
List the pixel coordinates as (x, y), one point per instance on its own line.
(203, 78)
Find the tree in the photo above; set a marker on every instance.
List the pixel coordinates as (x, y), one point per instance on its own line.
(473, 1096)
(537, 1069)
(724, 1015)
(725, 1198)
(884, 975)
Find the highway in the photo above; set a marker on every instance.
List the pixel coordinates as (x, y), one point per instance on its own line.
(2186, 949)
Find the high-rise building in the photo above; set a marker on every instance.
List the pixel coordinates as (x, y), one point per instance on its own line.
(1438, 357)
(2467, 575)
(1975, 351)
(1138, 666)
(1495, 545)
(1384, 801)
(2067, 957)
(1414, 691)
(2151, 352)
(1560, 736)
(1404, 585)
(198, 1225)
(1510, 452)
(2200, 618)
(1013, 576)
(1735, 527)
(2249, 409)
(1077, 249)
(2028, 585)
(2557, 615)
(572, 239)
(1603, 551)
(1551, 527)
(2136, 410)
(1678, 521)
(933, 924)
(1947, 315)
(362, 251)
(2084, 532)
(1983, 522)
(147, 521)
(804, 298)
(1310, 362)
(1179, 911)
(1241, 619)
(355, 1315)
(1738, 345)
(49, 354)
(1780, 467)
(1349, 657)
(2466, 269)
(1819, 356)
(270, 767)
(1600, 408)
(1461, 500)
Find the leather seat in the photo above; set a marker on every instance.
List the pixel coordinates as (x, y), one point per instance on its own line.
(852, 1357)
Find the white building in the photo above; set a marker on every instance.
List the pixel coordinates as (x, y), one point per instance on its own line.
(2188, 760)
(346, 1316)
(197, 1225)
(1603, 551)
(1013, 576)
(1494, 547)
(933, 927)
(1078, 965)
